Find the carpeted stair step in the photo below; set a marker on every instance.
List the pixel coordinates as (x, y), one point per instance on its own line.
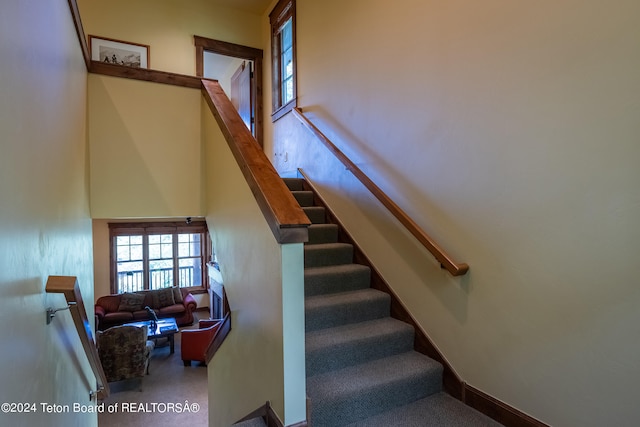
(304, 198)
(253, 422)
(329, 311)
(294, 184)
(348, 345)
(351, 394)
(315, 214)
(324, 254)
(323, 233)
(437, 410)
(336, 278)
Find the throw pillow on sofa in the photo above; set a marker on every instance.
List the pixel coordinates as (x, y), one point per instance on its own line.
(131, 302)
(162, 298)
(177, 295)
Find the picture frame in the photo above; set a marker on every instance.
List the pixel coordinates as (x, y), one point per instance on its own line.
(119, 52)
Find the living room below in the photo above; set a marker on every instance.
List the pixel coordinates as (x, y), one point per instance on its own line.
(102, 259)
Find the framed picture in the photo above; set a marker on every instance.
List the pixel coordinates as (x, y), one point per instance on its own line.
(118, 52)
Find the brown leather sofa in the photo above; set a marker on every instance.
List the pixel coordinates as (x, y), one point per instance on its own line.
(116, 309)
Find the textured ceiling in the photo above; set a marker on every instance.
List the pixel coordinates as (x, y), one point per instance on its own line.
(255, 6)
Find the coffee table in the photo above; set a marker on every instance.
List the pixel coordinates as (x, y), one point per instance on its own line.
(165, 328)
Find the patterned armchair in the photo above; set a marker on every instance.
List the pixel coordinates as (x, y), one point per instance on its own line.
(124, 352)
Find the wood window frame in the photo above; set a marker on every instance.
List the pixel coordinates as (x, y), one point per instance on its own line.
(281, 13)
(153, 228)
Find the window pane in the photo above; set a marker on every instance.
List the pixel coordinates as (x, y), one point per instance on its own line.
(286, 62)
(190, 270)
(287, 93)
(167, 250)
(161, 274)
(183, 249)
(154, 251)
(160, 246)
(128, 248)
(189, 245)
(129, 276)
(287, 71)
(287, 38)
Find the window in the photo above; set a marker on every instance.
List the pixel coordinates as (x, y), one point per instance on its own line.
(283, 47)
(158, 255)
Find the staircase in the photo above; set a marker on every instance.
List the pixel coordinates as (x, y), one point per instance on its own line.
(253, 422)
(361, 366)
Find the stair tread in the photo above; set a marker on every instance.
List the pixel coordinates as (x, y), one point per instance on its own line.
(323, 233)
(253, 422)
(316, 214)
(324, 225)
(321, 246)
(336, 278)
(331, 310)
(351, 393)
(390, 369)
(335, 269)
(293, 184)
(303, 197)
(342, 298)
(330, 337)
(347, 345)
(323, 254)
(436, 410)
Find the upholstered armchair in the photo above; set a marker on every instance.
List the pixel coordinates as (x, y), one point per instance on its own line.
(124, 352)
(195, 342)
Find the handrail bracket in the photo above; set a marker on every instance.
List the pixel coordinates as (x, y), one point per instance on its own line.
(51, 312)
(68, 286)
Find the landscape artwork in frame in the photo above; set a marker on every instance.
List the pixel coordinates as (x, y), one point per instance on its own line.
(117, 52)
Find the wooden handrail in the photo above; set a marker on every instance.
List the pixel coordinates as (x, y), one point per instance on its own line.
(68, 285)
(456, 269)
(285, 217)
(77, 22)
(144, 74)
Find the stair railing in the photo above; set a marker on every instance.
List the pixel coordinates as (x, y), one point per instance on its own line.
(446, 261)
(68, 285)
(285, 217)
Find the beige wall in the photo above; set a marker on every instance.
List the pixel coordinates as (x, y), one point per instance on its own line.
(168, 27)
(145, 138)
(45, 228)
(508, 131)
(101, 258)
(145, 149)
(248, 369)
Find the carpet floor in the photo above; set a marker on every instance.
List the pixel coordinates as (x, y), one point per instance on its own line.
(169, 383)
